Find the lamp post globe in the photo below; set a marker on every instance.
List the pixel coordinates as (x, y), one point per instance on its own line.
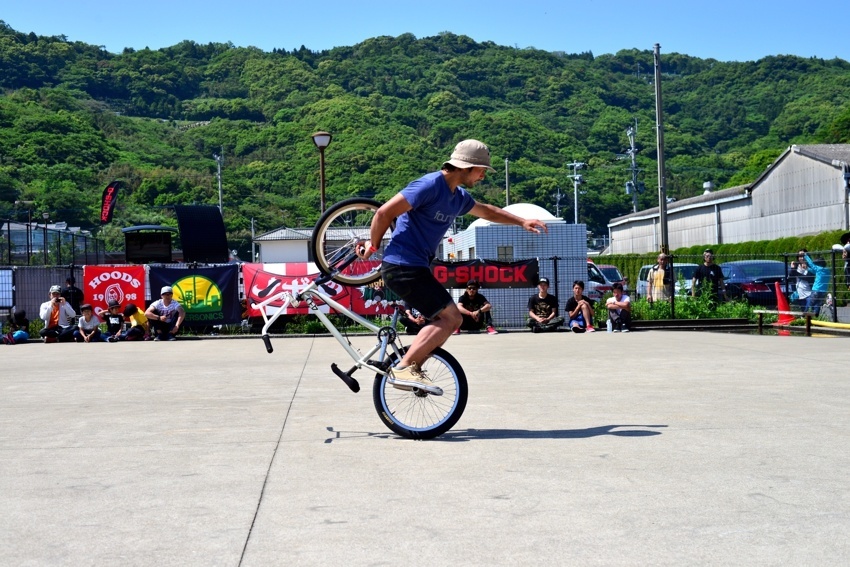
(322, 141)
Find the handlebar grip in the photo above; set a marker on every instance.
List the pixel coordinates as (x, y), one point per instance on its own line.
(268, 342)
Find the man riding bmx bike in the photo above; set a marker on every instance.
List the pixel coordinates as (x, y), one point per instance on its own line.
(424, 211)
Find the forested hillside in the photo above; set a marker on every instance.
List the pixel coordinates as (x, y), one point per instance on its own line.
(74, 117)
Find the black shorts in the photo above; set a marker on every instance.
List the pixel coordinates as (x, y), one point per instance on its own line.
(418, 287)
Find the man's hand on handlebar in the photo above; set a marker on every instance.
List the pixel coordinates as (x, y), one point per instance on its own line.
(365, 249)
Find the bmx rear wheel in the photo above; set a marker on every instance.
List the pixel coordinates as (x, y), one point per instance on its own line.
(337, 233)
(418, 415)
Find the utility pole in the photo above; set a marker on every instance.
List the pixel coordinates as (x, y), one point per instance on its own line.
(219, 158)
(507, 183)
(662, 189)
(558, 196)
(633, 187)
(577, 180)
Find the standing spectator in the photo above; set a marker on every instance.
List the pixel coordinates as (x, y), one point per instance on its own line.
(73, 295)
(804, 280)
(543, 309)
(114, 319)
(579, 309)
(88, 327)
(139, 327)
(709, 274)
(19, 328)
(165, 316)
(619, 309)
(475, 310)
(412, 319)
(820, 285)
(57, 315)
(659, 281)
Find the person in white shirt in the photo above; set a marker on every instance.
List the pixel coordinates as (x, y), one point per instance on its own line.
(619, 310)
(165, 316)
(58, 317)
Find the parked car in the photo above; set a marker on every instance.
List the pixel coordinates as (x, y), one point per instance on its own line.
(596, 284)
(613, 275)
(684, 274)
(754, 280)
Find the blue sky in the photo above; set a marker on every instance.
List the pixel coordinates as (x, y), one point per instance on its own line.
(742, 30)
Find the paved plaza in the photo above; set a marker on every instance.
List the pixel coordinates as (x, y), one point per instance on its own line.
(647, 448)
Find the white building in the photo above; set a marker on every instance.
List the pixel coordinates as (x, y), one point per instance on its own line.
(805, 191)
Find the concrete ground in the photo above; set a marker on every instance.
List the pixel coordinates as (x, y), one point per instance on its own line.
(647, 448)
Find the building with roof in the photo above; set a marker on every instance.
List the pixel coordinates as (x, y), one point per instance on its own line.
(283, 245)
(805, 191)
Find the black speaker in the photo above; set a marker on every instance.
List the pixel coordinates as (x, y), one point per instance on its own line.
(202, 234)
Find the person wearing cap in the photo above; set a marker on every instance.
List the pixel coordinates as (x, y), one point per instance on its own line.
(73, 295)
(114, 319)
(475, 310)
(165, 316)
(423, 212)
(543, 309)
(708, 274)
(659, 280)
(58, 316)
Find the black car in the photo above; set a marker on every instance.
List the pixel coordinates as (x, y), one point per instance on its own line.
(754, 280)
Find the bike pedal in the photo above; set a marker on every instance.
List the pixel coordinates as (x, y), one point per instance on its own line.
(346, 377)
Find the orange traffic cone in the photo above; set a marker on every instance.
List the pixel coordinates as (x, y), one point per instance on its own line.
(782, 305)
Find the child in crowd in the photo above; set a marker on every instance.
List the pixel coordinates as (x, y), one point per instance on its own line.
(19, 328)
(139, 326)
(88, 328)
(114, 320)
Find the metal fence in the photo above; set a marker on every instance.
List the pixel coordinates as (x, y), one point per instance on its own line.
(30, 244)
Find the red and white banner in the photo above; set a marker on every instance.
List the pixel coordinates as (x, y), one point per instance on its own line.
(125, 284)
(266, 280)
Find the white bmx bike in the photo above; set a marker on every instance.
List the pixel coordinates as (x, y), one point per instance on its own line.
(418, 413)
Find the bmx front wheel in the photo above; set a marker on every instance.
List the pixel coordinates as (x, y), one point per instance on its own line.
(336, 235)
(419, 415)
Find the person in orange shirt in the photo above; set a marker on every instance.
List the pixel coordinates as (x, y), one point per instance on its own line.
(58, 317)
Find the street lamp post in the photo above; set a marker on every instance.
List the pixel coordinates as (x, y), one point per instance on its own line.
(322, 141)
(46, 217)
(577, 180)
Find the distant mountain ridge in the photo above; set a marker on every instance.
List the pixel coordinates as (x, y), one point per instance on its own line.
(73, 117)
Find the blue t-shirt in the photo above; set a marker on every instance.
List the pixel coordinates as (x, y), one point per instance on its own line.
(418, 232)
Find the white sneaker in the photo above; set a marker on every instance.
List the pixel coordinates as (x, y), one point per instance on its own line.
(626, 330)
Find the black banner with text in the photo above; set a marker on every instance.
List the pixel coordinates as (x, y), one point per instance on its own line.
(489, 273)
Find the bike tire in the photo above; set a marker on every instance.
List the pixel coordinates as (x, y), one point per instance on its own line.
(335, 236)
(422, 416)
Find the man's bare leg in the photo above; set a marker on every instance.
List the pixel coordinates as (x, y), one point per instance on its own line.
(433, 336)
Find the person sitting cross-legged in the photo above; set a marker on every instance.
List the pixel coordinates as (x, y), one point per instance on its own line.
(475, 310)
(543, 309)
(619, 310)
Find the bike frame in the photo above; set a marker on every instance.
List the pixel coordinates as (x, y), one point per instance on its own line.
(309, 295)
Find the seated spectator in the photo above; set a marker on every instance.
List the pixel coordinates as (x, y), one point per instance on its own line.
(579, 309)
(412, 320)
(88, 327)
(114, 319)
(165, 316)
(57, 315)
(475, 310)
(19, 328)
(139, 327)
(619, 310)
(543, 309)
